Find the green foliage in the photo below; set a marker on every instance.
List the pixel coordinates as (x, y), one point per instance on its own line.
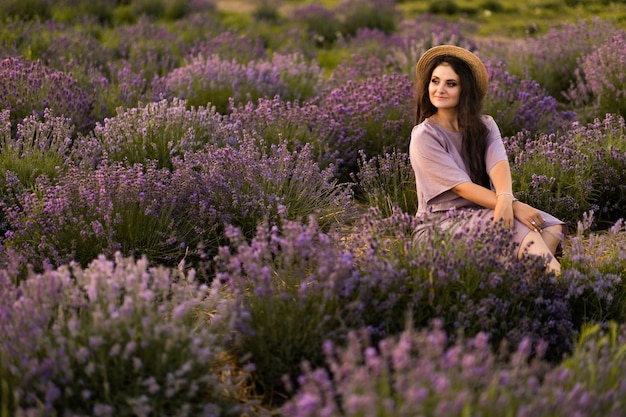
(8, 384)
(492, 6)
(595, 271)
(322, 25)
(369, 15)
(157, 132)
(599, 360)
(387, 182)
(102, 10)
(40, 147)
(559, 180)
(330, 59)
(266, 12)
(151, 8)
(287, 309)
(176, 9)
(448, 7)
(25, 9)
(123, 338)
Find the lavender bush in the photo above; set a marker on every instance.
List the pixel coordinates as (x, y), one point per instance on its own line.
(604, 141)
(28, 87)
(297, 124)
(367, 14)
(595, 273)
(471, 279)
(573, 172)
(40, 146)
(603, 69)
(151, 49)
(145, 53)
(87, 213)
(552, 59)
(214, 80)
(377, 116)
(423, 32)
(422, 373)
(118, 338)
(292, 288)
(357, 68)
(158, 131)
(65, 48)
(522, 105)
(75, 52)
(372, 52)
(295, 286)
(230, 45)
(387, 182)
(246, 184)
(322, 24)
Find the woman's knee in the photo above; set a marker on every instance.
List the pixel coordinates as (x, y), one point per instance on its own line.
(534, 244)
(553, 236)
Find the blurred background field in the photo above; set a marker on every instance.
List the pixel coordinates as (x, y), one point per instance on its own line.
(494, 17)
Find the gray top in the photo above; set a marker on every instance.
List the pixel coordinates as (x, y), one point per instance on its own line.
(436, 160)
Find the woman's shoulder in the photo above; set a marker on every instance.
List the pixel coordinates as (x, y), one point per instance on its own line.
(489, 121)
(427, 127)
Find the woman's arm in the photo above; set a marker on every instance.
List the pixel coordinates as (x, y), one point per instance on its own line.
(500, 201)
(500, 176)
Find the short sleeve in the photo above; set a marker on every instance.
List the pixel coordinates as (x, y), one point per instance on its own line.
(495, 147)
(437, 164)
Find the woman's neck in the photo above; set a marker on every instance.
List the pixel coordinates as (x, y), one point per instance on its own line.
(446, 119)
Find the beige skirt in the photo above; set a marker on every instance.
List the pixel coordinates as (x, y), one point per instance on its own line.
(471, 218)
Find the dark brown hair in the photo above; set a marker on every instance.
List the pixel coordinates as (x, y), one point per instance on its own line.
(471, 125)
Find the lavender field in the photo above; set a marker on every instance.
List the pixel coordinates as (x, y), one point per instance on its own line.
(206, 212)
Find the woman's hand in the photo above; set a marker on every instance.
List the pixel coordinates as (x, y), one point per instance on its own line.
(528, 215)
(504, 210)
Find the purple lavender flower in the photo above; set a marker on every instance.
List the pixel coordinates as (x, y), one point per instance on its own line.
(66, 332)
(553, 58)
(211, 80)
(158, 131)
(522, 105)
(28, 87)
(229, 46)
(590, 158)
(322, 25)
(431, 384)
(376, 114)
(603, 70)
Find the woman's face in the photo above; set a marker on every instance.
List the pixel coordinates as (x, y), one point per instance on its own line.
(444, 88)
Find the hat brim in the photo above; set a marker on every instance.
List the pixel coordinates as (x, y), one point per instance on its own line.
(476, 65)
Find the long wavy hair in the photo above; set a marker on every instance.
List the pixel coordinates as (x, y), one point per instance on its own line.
(469, 113)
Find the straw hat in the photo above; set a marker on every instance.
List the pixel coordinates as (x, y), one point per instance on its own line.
(475, 64)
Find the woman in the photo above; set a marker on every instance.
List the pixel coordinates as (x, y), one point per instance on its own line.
(459, 160)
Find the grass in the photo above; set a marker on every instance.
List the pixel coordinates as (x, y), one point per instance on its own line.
(509, 18)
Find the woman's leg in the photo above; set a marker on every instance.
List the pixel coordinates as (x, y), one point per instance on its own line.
(543, 244)
(553, 236)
